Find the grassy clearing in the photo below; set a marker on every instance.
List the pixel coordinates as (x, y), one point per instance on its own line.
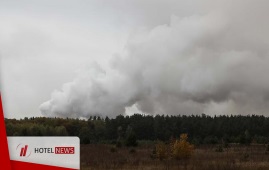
(101, 156)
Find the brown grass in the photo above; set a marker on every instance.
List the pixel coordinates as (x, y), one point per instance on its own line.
(236, 157)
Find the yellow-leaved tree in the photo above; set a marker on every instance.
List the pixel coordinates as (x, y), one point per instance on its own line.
(182, 149)
(161, 150)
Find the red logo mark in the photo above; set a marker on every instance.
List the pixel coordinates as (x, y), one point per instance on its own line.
(23, 150)
(64, 150)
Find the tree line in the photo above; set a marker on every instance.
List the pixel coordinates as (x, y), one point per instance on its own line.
(201, 129)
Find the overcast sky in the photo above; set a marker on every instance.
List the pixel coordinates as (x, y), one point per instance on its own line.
(108, 57)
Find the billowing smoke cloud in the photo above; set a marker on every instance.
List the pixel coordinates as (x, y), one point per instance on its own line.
(213, 63)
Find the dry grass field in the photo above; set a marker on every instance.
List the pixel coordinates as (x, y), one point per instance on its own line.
(101, 156)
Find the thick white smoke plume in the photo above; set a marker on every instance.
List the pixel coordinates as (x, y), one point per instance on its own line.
(213, 63)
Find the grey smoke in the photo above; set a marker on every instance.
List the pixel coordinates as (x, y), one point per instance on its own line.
(213, 63)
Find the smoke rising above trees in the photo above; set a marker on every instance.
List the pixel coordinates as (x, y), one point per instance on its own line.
(212, 63)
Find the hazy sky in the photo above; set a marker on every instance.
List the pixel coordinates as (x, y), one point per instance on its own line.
(108, 57)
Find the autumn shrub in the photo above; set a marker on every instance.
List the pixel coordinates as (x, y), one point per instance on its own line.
(161, 150)
(182, 149)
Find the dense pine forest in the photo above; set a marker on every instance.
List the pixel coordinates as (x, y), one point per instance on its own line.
(201, 129)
